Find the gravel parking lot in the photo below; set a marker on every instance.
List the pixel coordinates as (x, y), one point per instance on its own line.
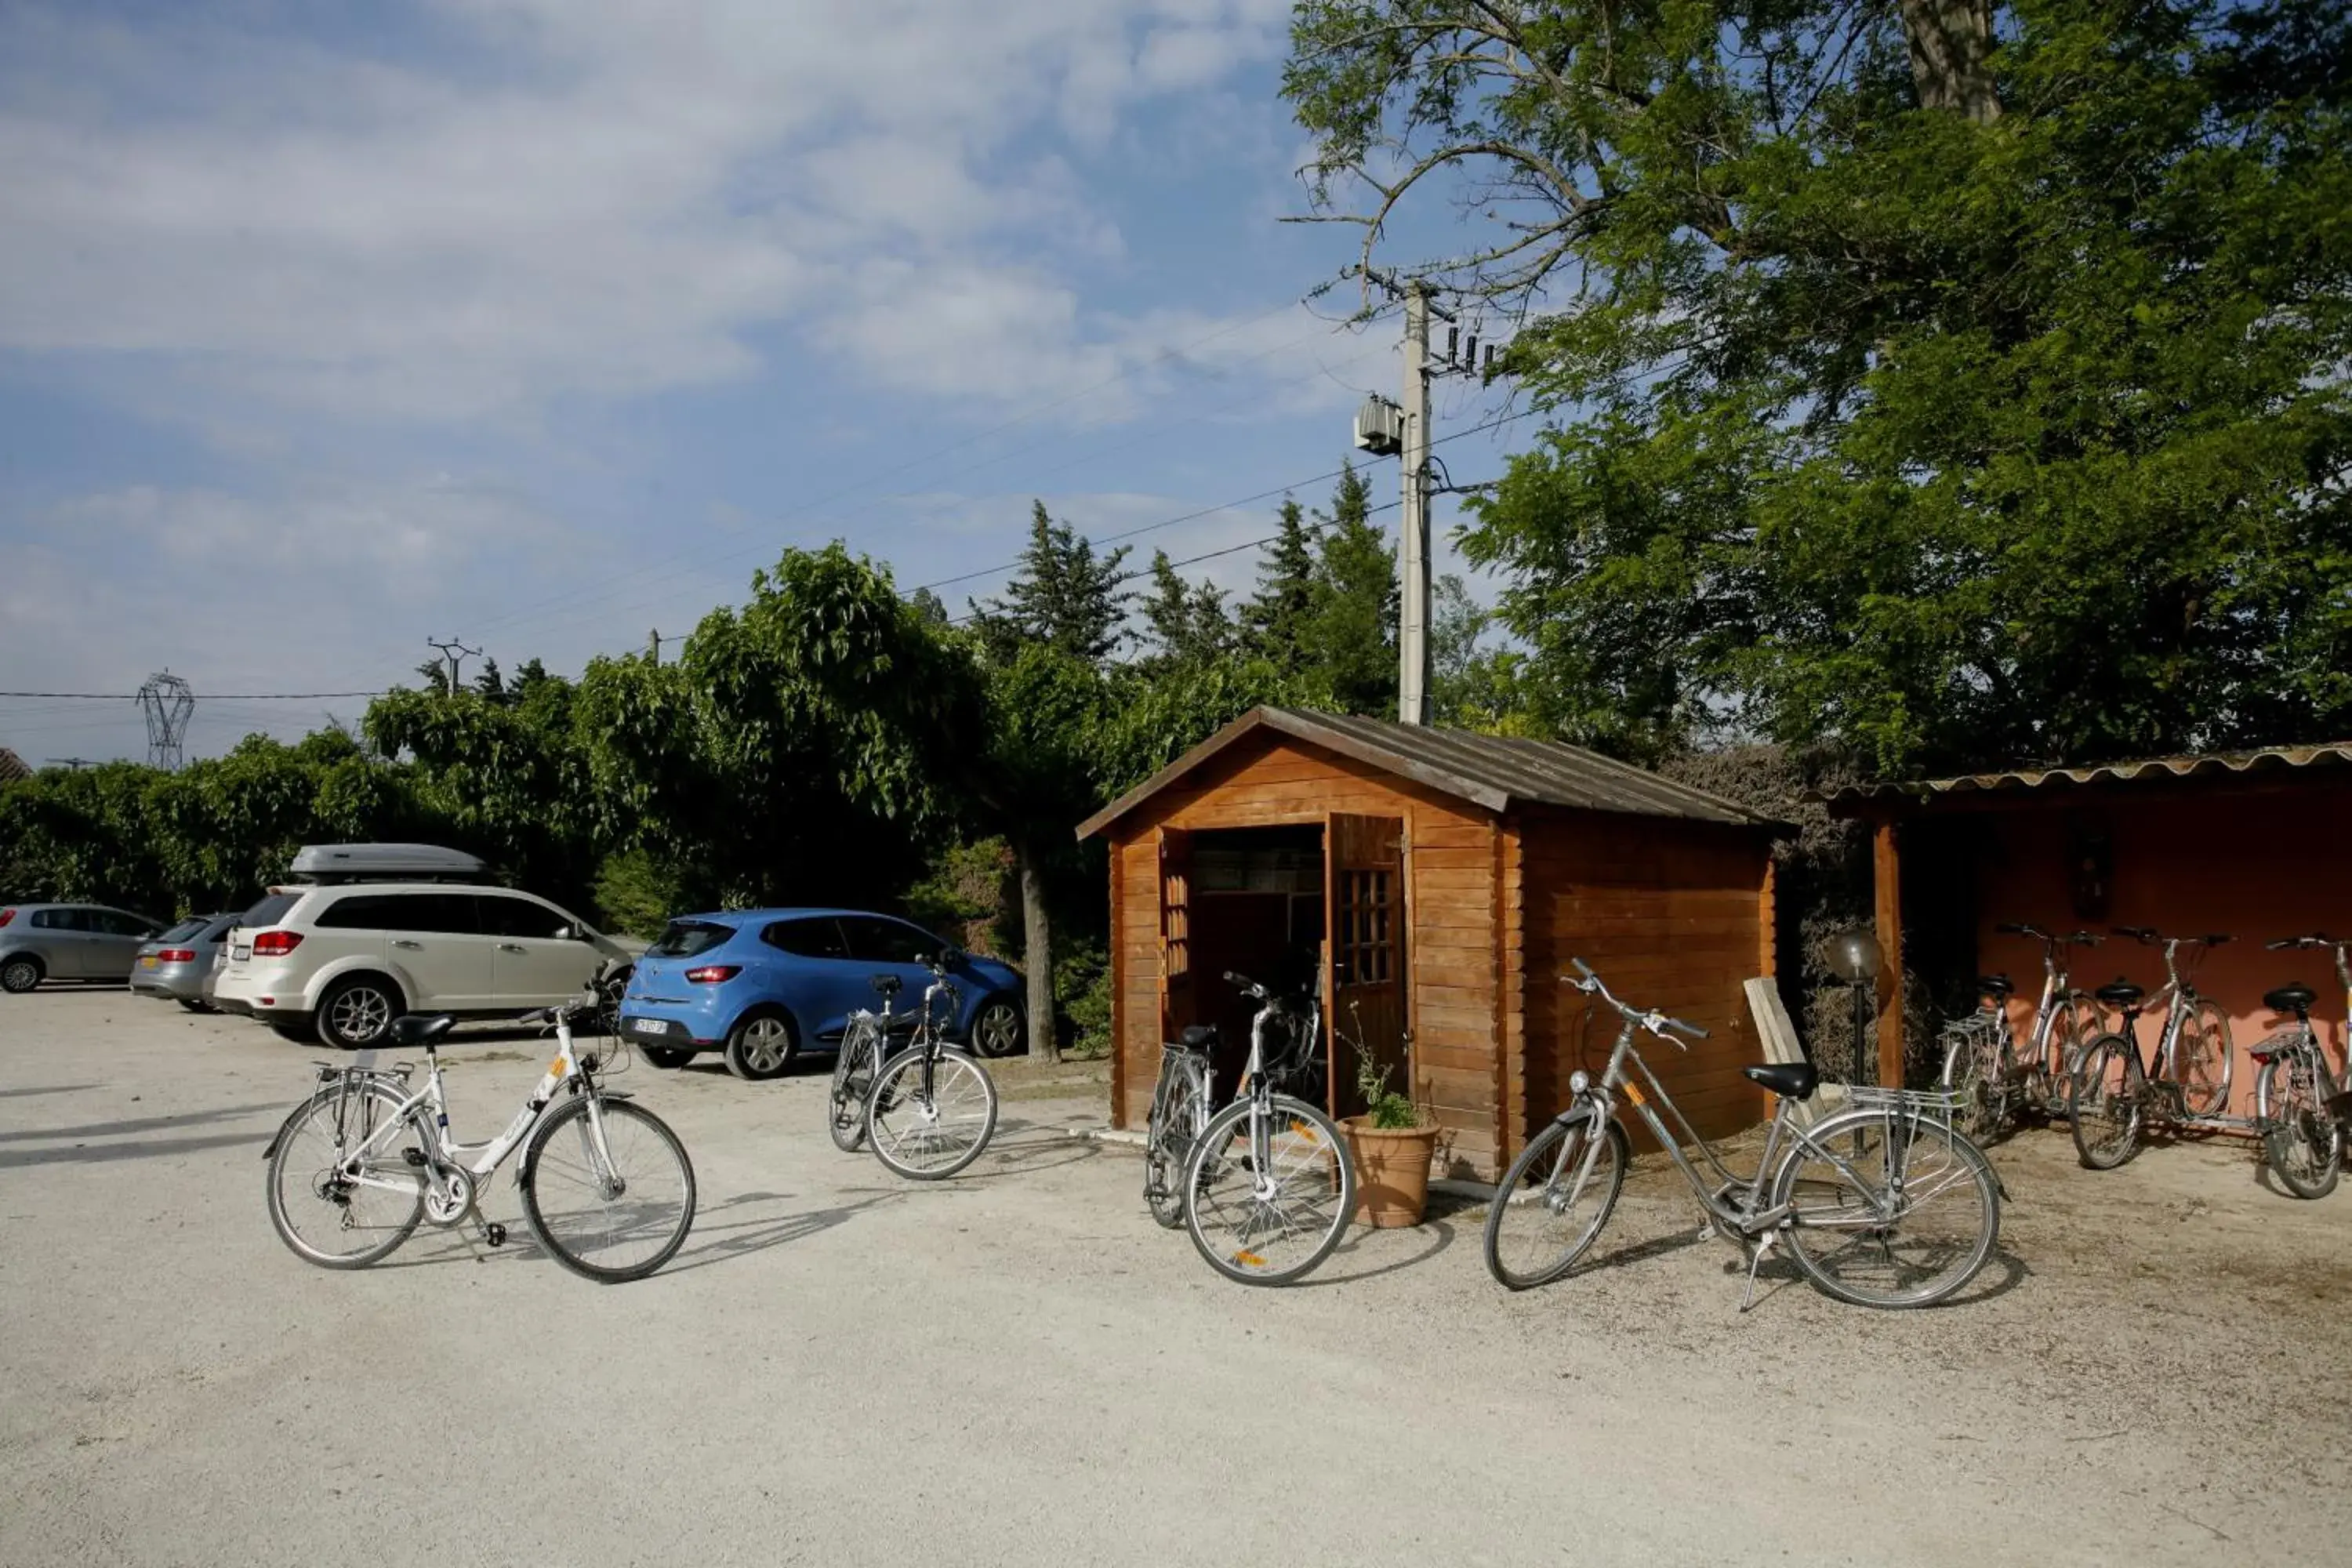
(1018, 1367)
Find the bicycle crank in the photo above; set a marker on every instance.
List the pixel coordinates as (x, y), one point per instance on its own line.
(449, 1196)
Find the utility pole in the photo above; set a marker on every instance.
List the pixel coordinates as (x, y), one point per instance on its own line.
(1413, 546)
(653, 645)
(76, 763)
(451, 652)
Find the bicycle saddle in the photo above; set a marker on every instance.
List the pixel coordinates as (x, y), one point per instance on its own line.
(1789, 1080)
(2121, 993)
(1198, 1038)
(1995, 985)
(2295, 998)
(887, 985)
(421, 1028)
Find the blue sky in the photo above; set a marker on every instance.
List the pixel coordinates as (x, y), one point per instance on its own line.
(544, 323)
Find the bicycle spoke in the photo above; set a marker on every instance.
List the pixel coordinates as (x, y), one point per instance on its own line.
(1905, 1224)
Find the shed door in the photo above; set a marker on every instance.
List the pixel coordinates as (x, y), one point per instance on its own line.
(1177, 998)
(1364, 920)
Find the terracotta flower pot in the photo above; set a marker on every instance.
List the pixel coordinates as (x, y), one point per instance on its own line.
(1392, 1171)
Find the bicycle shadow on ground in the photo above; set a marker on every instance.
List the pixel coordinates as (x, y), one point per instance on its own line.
(108, 1154)
(145, 1123)
(1442, 1236)
(50, 1089)
(1034, 1147)
(2003, 1272)
(741, 1237)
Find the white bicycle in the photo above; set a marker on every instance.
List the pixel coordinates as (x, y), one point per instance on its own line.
(606, 1186)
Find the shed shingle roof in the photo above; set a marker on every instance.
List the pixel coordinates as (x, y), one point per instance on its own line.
(13, 766)
(1491, 771)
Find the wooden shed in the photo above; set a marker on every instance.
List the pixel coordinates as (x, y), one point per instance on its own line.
(1433, 884)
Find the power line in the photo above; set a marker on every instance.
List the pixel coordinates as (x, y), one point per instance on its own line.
(232, 696)
(572, 600)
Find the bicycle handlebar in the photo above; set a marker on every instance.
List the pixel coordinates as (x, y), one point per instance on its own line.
(1657, 1022)
(2316, 939)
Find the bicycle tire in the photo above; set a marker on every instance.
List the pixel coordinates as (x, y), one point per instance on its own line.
(1971, 1080)
(1921, 1162)
(289, 1155)
(1166, 1143)
(894, 1141)
(852, 1093)
(1546, 1161)
(2103, 1103)
(645, 1219)
(2204, 1059)
(1230, 1220)
(2302, 1142)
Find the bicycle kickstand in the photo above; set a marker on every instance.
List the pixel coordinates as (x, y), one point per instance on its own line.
(1755, 1262)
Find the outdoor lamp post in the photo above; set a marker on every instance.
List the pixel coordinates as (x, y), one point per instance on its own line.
(1853, 957)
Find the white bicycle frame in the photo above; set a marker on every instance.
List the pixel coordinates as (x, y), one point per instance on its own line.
(476, 1160)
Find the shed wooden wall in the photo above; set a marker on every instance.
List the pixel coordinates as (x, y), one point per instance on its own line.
(1454, 959)
(1670, 914)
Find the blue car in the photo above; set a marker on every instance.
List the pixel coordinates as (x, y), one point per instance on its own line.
(763, 986)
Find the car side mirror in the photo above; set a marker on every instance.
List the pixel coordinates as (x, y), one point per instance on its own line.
(952, 957)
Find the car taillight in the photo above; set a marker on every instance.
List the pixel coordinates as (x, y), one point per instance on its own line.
(714, 974)
(7, 915)
(176, 955)
(276, 944)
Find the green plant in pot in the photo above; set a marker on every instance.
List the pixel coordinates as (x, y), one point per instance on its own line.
(1392, 1142)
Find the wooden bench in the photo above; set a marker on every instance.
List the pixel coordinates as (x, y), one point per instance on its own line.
(1782, 1045)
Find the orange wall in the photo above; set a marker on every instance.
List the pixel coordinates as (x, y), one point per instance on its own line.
(2258, 864)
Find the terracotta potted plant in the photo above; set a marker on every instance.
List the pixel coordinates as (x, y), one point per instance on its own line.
(1392, 1143)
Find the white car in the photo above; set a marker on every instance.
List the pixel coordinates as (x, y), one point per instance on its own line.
(340, 962)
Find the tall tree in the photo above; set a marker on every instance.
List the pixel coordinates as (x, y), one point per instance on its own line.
(491, 682)
(1187, 621)
(1274, 621)
(1350, 626)
(1063, 595)
(1959, 385)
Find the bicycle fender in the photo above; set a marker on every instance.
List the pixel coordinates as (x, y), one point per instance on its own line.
(1578, 1112)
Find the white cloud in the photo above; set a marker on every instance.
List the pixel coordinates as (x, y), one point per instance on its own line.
(591, 196)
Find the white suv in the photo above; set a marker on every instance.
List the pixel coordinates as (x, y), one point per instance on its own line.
(344, 962)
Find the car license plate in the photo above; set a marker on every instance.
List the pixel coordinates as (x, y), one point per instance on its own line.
(148, 962)
(650, 1025)
(241, 952)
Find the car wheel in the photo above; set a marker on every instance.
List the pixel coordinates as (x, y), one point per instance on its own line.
(20, 974)
(356, 1013)
(191, 1005)
(300, 1034)
(663, 1057)
(761, 1047)
(996, 1029)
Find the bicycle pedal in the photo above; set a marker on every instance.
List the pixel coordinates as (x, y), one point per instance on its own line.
(495, 1233)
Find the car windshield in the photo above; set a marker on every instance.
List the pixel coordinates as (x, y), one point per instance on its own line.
(183, 931)
(684, 939)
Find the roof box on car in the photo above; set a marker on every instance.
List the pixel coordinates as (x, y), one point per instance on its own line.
(323, 863)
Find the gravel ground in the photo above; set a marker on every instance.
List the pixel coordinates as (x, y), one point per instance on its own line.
(1017, 1367)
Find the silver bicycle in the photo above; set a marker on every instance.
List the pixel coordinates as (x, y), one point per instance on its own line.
(1267, 1186)
(2300, 1106)
(933, 1108)
(606, 1186)
(1181, 1099)
(1882, 1205)
(864, 1047)
(1995, 1081)
(2184, 1081)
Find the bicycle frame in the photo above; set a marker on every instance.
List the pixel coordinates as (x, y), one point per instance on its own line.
(1742, 1221)
(476, 1161)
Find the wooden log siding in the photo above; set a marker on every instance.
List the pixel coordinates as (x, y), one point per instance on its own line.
(1671, 914)
(1450, 946)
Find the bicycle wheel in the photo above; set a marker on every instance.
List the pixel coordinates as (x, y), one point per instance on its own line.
(1269, 1190)
(609, 1209)
(1975, 1071)
(1168, 1139)
(2102, 1102)
(1554, 1200)
(1888, 1210)
(853, 1085)
(2202, 1058)
(334, 1220)
(2302, 1141)
(927, 1137)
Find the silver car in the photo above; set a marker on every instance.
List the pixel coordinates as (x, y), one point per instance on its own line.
(179, 965)
(68, 941)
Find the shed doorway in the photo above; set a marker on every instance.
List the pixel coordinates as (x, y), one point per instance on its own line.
(1303, 908)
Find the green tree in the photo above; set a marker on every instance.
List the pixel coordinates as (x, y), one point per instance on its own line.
(1188, 621)
(1273, 620)
(1063, 595)
(1957, 400)
(1349, 647)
